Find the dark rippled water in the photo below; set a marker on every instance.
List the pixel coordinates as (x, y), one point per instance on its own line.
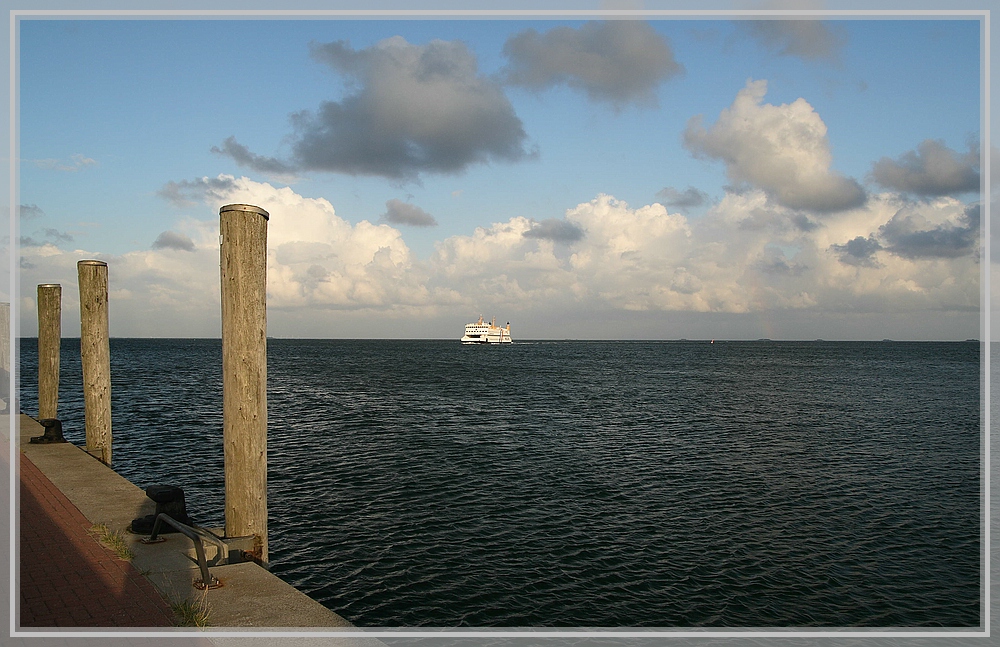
(569, 484)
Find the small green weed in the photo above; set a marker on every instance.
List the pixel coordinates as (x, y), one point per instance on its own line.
(116, 541)
(192, 614)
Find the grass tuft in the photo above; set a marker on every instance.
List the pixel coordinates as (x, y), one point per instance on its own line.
(192, 614)
(116, 541)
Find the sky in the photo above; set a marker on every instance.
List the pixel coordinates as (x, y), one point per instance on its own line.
(659, 178)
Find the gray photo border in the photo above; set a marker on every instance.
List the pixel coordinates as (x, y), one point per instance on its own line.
(110, 9)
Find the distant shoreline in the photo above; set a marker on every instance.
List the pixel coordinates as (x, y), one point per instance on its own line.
(616, 341)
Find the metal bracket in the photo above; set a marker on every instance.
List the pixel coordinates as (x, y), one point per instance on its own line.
(195, 535)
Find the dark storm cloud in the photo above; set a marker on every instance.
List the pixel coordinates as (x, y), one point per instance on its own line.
(173, 240)
(555, 230)
(907, 235)
(687, 199)
(188, 192)
(242, 156)
(417, 109)
(931, 170)
(859, 251)
(805, 39)
(403, 213)
(619, 61)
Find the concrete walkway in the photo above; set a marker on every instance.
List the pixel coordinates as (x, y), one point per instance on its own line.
(69, 579)
(65, 491)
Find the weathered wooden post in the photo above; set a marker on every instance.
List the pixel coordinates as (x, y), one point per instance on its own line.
(243, 230)
(5, 336)
(49, 339)
(95, 357)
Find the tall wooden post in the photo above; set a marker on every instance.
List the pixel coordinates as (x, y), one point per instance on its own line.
(243, 230)
(95, 357)
(5, 338)
(49, 339)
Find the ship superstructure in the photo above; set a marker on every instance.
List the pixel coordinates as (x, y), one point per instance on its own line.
(480, 332)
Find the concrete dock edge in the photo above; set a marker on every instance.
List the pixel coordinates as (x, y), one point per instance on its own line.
(251, 597)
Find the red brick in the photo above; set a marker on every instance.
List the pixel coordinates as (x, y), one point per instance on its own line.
(67, 578)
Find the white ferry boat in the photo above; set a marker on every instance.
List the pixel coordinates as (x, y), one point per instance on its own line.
(480, 332)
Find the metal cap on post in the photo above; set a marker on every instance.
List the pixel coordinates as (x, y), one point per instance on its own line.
(95, 356)
(49, 305)
(248, 208)
(243, 264)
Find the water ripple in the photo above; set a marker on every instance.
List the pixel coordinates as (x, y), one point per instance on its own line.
(586, 484)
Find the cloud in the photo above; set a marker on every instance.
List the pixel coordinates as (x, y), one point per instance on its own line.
(625, 254)
(773, 260)
(403, 213)
(30, 211)
(781, 149)
(555, 230)
(75, 163)
(151, 294)
(619, 61)
(49, 236)
(994, 169)
(416, 109)
(687, 199)
(318, 259)
(859, 251)
(173, 240)
(931, 170)
(190, 192)
(745, 256)
(805, 39)
(913, 232)
(317, 263)
(57, 236)
(270, 166)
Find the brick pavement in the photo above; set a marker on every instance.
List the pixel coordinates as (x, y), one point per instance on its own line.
(68, 578)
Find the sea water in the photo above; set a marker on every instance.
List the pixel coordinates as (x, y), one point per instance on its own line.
(584, 484)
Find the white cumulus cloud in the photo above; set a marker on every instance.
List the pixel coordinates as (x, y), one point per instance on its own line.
(782, 150)
(746, 255)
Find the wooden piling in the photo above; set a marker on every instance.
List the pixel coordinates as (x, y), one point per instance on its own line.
(243, 230)
(95, 357)
(5, 359)
(49, 339)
